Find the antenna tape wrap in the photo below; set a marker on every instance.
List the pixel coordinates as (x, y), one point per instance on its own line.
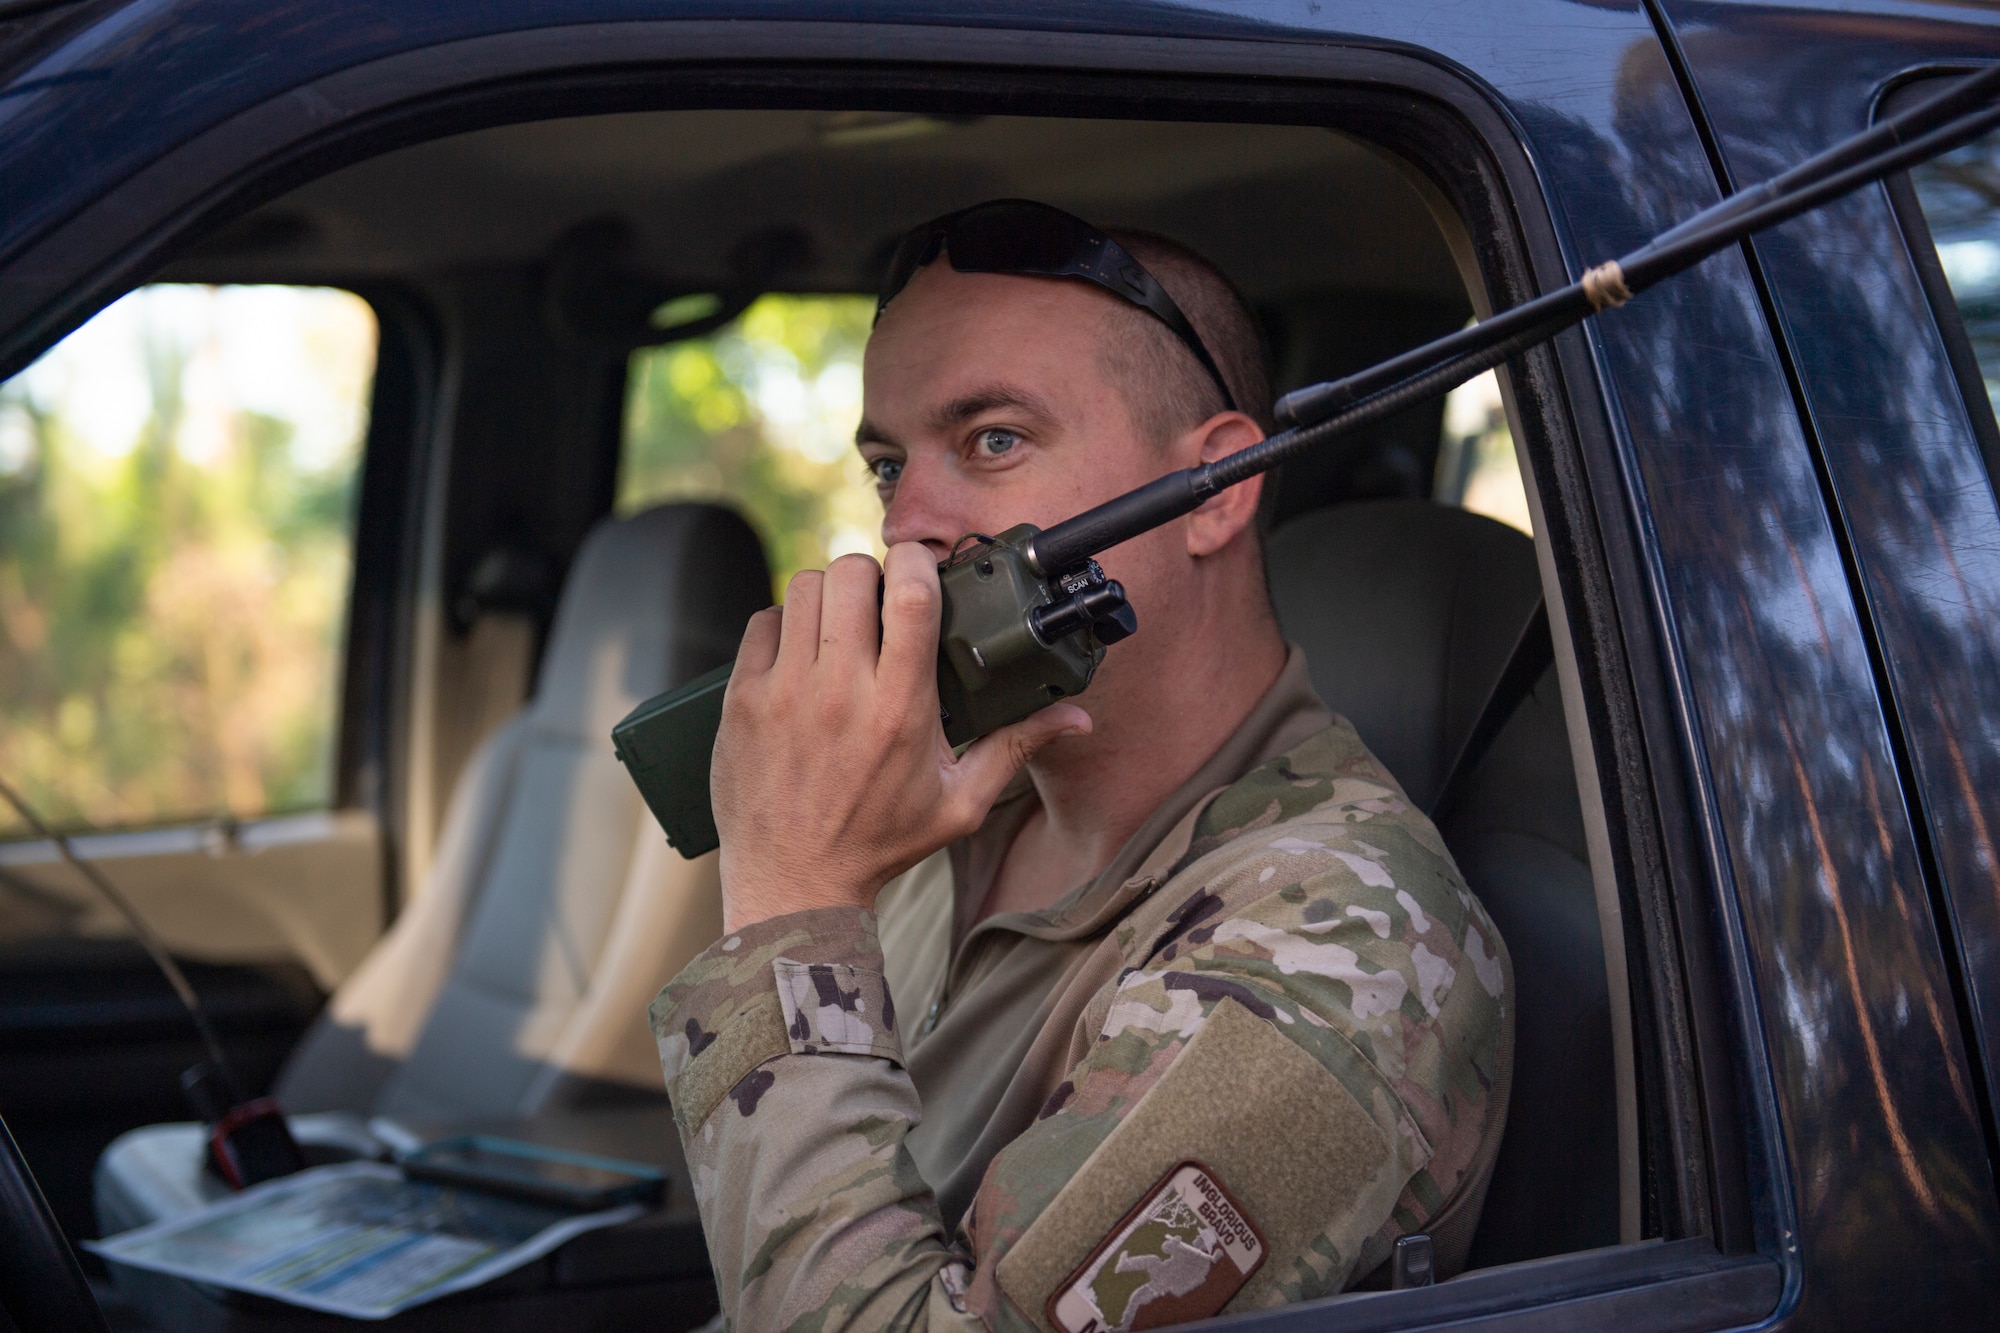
(1605, 286)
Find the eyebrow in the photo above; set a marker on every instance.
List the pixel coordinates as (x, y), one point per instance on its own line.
(991, 398)
(966, 407)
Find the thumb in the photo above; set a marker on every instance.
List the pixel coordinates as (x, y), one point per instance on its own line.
(991, 762)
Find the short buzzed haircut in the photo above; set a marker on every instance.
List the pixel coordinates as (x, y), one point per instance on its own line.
(1166, 388)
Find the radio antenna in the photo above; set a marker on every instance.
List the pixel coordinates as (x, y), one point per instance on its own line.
(148, 941)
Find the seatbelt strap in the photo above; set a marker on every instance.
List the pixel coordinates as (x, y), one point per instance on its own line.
(1533, 652)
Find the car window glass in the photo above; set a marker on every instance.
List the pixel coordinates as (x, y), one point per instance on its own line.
(761, 416)
(1960, 197)
(176, 496)
(1477, 468)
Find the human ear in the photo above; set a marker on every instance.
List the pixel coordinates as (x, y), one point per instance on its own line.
(1226, 514)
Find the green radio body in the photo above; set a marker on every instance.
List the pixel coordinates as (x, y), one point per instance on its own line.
(667, 744)
(1011, 641)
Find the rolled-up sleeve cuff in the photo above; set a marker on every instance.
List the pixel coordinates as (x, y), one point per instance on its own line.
(809, 983)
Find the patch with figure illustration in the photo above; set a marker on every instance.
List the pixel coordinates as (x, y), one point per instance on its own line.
(1180, 1255)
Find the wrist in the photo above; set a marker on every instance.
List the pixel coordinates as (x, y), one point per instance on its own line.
(750, 898)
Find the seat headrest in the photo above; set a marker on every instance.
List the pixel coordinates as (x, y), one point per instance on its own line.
(1408, 612)
(651, 601)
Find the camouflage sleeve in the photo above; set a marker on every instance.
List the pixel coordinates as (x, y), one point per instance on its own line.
(1300, 1071)
(785, 1073)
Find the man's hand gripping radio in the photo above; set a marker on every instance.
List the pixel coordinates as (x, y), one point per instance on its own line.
(1013, 640)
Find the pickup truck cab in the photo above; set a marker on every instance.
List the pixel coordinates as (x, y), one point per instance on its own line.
(394, 394)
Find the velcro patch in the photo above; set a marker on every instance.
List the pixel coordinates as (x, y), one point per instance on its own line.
(833, 1007)
(1180, 1255)
(1306, 1154)
(721, 1060)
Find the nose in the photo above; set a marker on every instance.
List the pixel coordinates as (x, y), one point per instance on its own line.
(922, 509)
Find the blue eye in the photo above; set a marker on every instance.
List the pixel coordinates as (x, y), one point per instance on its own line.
(886, 470)
(995, 440)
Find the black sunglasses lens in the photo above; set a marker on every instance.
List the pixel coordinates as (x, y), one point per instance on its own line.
(1019, 238)
(914, 251)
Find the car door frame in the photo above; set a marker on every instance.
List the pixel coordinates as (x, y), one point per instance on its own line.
(1715, 1153)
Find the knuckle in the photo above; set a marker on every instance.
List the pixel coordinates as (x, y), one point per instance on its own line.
(744, 689)
(855, 563)
(736, 705)
(910, 597)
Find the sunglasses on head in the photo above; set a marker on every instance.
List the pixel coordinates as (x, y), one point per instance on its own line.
(1024, 238)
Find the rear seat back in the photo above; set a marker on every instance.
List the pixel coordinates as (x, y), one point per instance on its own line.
(518, 978)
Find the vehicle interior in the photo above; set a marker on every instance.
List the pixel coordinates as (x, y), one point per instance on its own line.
(601, 375)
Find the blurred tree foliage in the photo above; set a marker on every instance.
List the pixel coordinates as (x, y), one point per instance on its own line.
(172, 600)
(1477, 467)
(761, 416)
(171, 606)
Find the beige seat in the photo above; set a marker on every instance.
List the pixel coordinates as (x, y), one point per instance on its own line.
(517, 980)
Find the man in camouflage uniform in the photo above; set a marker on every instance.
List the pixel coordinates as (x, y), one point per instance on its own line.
(1190, 1013)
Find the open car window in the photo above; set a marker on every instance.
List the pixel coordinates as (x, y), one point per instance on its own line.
(177, 483)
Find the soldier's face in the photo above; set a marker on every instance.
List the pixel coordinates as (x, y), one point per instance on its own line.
(984, 405)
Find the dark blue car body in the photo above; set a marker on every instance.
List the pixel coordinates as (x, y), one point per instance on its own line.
(1792, 516)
